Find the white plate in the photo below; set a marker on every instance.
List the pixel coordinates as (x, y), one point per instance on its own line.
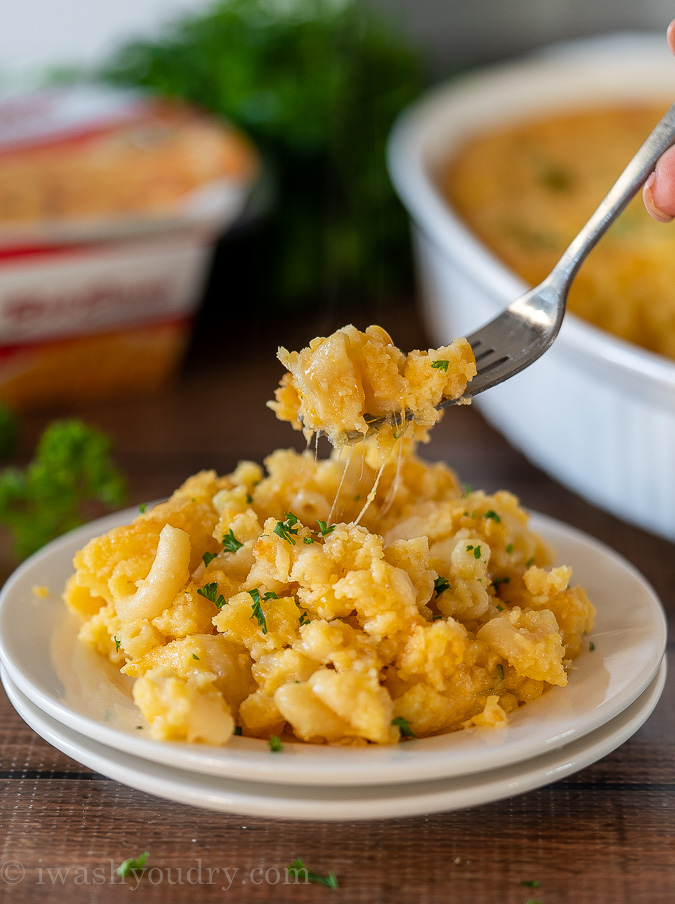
(346, 802)
(77, 687)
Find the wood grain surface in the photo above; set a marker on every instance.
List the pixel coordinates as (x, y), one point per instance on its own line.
(605, 835)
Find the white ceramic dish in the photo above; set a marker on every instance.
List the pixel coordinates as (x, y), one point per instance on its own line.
(345, 802)
(595, 412)
(75, 686)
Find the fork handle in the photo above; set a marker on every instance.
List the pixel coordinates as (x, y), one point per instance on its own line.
(616, 200)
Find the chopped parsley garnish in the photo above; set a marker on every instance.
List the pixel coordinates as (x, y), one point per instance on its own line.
(403, 726)
(256, 608)
(308, 540)
(591, 646)
(530, 562)
(287, 529)
(466, 489)
(210, 591)
(441, 584)
(530, 883)
(509, 548)
(475, 549)
(275, 744)
(142, 507)
(237, 730)
(194, 656)
(230, 542)
(440, 365)
(132, 865)
(500, 607)
(249, 499)
(325, 528)
(208, 557)
(297, 869)
(117, 643)
(493, 515)
(304, 619)
(497, 581)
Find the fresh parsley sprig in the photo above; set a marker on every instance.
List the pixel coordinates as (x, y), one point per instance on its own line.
(403, 726)
(287, 529)
(298, 870)
(72, 469)
(132, 865)
(230, 542)
(441, 584)
(210, 591)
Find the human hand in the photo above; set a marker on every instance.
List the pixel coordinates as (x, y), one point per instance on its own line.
(659, 189)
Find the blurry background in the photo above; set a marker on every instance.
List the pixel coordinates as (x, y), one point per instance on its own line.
(316, 85)
(39, 32)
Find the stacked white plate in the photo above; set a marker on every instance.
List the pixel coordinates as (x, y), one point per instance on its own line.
(80, 704)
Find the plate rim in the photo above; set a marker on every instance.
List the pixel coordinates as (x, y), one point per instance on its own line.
(440, 795)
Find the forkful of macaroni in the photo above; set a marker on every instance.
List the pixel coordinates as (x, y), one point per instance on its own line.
(352, 384)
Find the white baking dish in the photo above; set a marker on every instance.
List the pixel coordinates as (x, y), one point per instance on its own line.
(595, 412)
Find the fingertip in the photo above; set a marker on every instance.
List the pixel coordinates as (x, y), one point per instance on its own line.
(670, 36)
(648, 198)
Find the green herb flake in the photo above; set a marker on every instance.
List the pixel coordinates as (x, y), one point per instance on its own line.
(500, 607)
(210, 591)
(441, 584)
(325, 528)
(530, 562)
(194, 656)
(308, 540)
(494, 516)
(132, 865)
(256, 609)
(230, 542)
(440, 365)
(287, 528)
(208, 557)
(509, 548)
(275, 744)
(249, 499)
(475, 550)
(403, 726)
(497, 581)
(237, 730)
(298, 870)
(142, 508)
(530, 883)
(304, 619)
(500, 672)
(466, 490)
(117, 643)
(591, 646)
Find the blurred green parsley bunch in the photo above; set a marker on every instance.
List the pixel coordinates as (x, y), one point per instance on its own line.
(317, 84)
(70, 470)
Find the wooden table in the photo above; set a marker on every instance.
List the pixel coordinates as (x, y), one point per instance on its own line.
(605, 834)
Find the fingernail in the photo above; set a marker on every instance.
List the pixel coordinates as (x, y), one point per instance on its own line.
(648, 198)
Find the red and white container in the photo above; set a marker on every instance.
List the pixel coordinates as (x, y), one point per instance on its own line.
(110, 205)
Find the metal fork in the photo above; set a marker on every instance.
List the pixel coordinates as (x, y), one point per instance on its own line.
(528, 327)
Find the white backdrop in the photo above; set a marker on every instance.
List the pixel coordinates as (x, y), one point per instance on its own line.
(35, 33)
